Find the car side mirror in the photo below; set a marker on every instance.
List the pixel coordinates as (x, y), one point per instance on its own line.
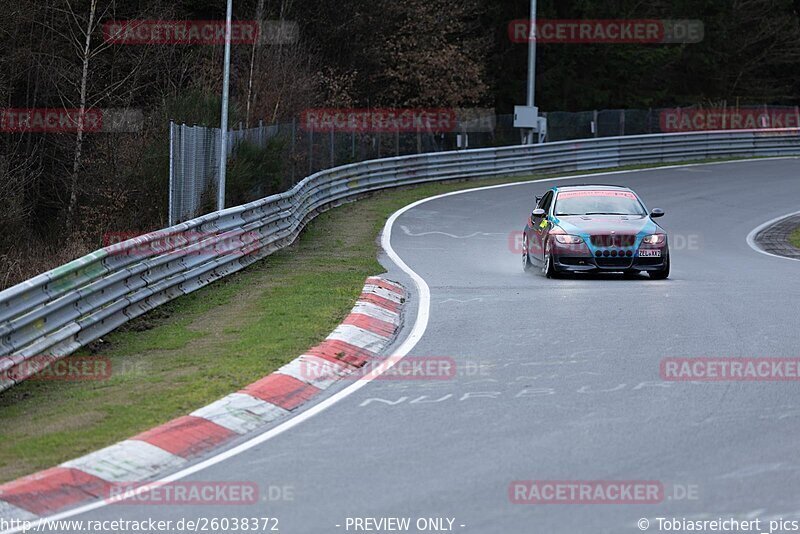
(656, 213)
(538, 212)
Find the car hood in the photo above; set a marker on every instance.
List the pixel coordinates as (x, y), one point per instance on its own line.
(605, 224)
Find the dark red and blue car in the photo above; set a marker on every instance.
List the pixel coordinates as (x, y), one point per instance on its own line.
(594, 228)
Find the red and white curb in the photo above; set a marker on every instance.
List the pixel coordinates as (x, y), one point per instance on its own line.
(361, 337)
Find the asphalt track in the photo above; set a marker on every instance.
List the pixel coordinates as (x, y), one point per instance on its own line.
(558, 379)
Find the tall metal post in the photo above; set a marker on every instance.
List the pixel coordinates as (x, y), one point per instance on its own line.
(532, 68)
(223, 143)
(533, 128)
(170, 216)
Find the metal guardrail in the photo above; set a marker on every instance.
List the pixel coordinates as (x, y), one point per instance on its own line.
(55, 313)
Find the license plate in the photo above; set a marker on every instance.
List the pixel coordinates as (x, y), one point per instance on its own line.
(649, 253)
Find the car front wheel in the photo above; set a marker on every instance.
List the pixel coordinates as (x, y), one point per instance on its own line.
(526, 258)
(549, 269)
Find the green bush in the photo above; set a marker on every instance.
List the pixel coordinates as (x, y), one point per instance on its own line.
(253, 172)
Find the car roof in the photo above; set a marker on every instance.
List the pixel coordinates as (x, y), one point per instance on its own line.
(590, 187)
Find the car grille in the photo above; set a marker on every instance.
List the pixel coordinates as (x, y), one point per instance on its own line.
(613, 240)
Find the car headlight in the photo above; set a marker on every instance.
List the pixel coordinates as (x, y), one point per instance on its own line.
(655, 239)
(569, 239)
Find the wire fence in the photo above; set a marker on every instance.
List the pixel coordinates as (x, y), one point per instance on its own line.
(194, 150)
(194, 163)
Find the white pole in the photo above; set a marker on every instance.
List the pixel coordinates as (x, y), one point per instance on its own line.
(223, 151)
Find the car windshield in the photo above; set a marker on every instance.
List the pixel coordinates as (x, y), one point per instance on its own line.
(598, 203)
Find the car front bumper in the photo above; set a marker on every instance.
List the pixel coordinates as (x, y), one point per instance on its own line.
(581, 259)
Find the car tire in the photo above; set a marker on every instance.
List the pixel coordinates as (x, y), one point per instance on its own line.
(526, 258)
(548, 268)
(663, 274)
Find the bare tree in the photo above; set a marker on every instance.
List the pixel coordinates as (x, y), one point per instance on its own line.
(76, 161)
(256, 46)
(92, 83)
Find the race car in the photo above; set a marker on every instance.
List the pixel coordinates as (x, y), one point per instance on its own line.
(594, 228)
